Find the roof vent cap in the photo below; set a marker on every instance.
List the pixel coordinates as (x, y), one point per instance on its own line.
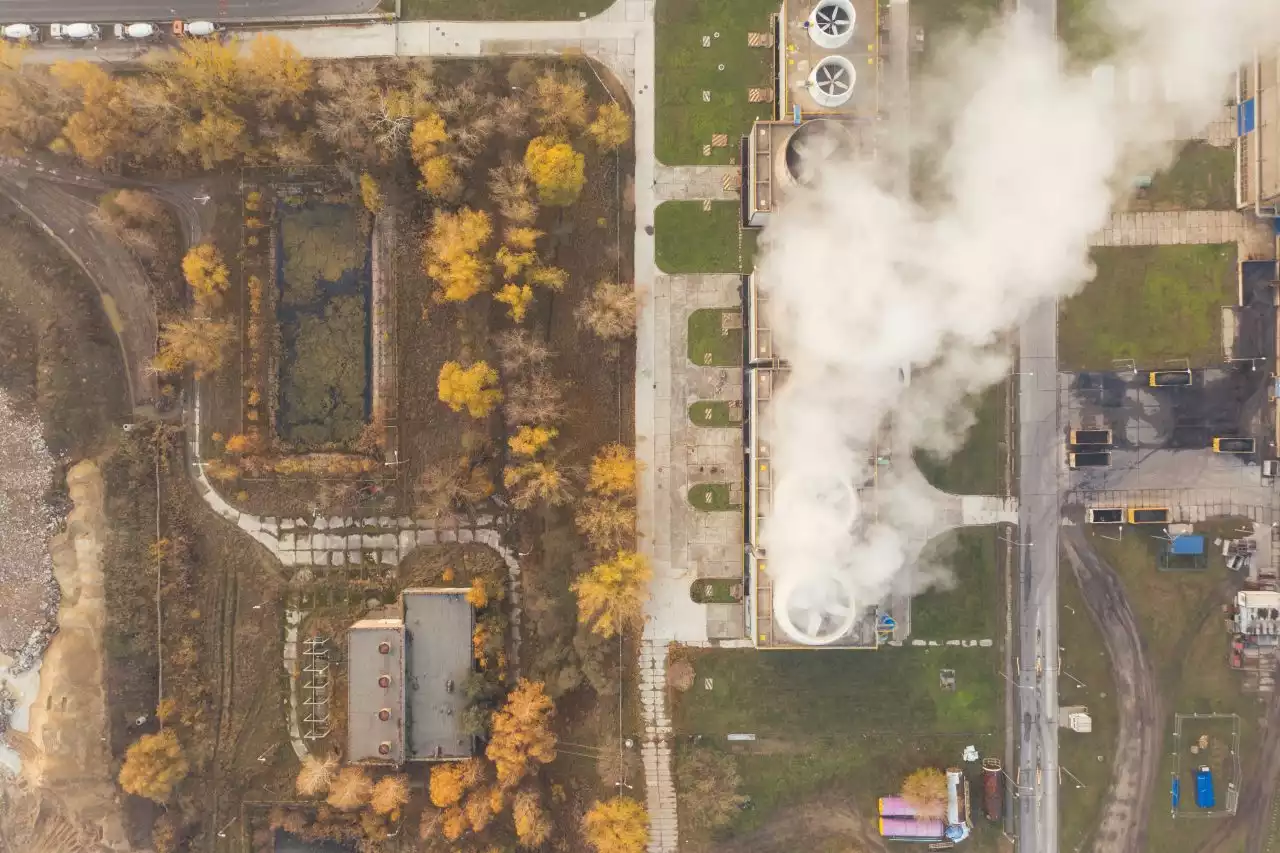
(384, 714)
(831, 24)
(384, 648)
(384, 681)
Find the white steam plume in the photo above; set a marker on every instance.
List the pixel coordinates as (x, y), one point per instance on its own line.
(1029, 155)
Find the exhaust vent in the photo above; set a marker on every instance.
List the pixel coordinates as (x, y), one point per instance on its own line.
(831, 81)
(831, 24)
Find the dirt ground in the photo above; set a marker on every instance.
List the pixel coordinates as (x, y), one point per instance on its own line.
(843, 829)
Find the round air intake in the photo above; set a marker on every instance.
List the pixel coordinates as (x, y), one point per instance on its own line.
(815, 145)
(831, 24)
(831, 81)
(815, 610)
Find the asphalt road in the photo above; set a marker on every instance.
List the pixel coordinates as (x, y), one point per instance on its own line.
(97, 11)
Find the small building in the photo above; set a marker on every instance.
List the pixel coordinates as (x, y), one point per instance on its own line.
(1258, 616)
(406, 674)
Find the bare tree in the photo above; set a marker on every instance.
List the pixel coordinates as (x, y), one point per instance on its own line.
(609, 310)
(536, 399)
(518, 350)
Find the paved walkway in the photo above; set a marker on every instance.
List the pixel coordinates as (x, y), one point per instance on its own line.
(1255, 238)
(718, 183)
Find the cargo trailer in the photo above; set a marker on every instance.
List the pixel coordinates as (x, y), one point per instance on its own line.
(1100, 437)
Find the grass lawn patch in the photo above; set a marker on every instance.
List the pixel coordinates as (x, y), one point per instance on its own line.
(1078, 27)
(713, 497)
(686, 69)
(710, 343)
(716, 590)
(692, 240)
(498, 10)
(1152, 304)
(1202, 177)
(836, 724)
(716, 413)
(1085, 657)
(974, 469)
(971, 609)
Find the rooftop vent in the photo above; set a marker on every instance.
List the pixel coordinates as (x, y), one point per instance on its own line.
(384, 648)
(384, 681)
(384, 714)
(384, 748)
(831, 24)
(831, 81)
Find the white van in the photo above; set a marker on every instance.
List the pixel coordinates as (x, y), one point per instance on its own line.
(76, 32)
(21, 32)
(137, 32)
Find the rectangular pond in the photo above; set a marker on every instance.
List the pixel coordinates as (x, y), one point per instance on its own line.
(324, 274)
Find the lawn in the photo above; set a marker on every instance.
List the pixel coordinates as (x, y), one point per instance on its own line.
(838, 725)
(726, 68)
(1086, 40)
(690, 239)
(710, 344)
(498, 10)
(712, 497)
(1152, 304)
(972, 608)
(715, 413)
(1179, 617)
(975, 468)
(1201, 177)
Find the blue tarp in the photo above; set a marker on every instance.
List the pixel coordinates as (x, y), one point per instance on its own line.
(1185, 546)
(1204, 789)
(1245, 118)
(1175, 793)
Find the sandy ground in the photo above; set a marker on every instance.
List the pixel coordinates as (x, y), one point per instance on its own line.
(69, 756)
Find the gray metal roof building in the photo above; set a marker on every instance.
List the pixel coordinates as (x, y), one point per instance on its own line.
(406, 678)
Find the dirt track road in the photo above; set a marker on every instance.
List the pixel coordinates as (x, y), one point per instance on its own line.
(1123, 826)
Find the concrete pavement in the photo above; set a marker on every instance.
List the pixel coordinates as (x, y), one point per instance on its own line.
(41, 12)
(1255, 237)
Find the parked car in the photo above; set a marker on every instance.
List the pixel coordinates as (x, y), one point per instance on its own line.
(137, 31)
(197, 29)
(21, 32)
(76, 32)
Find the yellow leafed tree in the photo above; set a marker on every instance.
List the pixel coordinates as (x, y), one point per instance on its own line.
(619, 825)
(206, 72)
(447, 784)
(472, 388)
(611, 595)
(428, 134)
(153, 765)
(389, 794)
(533, 824)
(613, 471)
(514, 261)
(439, 178)
(529, 440)
(522, 238)
(276, 71)
(612, 127)
(206, 273)
(201, 344)
(561, 102)
(350, 790)
(102, 128)
(451, 257)
(532, 482)
(926, 791)
(517, 298)
(608, 523)
(217, 138)
(556, 169)
(371, 193)
(521, 733)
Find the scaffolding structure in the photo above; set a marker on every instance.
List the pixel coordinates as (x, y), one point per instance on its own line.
(316, 687)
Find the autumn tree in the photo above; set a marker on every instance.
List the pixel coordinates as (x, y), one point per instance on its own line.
(556, 170)
(608, 523)
(371, 193)
(440, 178)
(560, 101)
(472, 388)
(205, 72)
(137, 218)
(389, 794)
(276, 72)
(218, 137)
(538, 398)
(315, 775)
(153, 765)
(350, 790)
(199, 343)
(533, 823)
(534, 482)
(613, 471)
(609, 311)
(444, 487)
(611, 595)
(619, 825)
(102, 129)
(206, 273)
(530, 440)
(452, 257)
(925, 790)
(427, 137)
(447, 786)
(612, 127)
(517, 298)
(511, 190)
(521, 733)
(707, 780)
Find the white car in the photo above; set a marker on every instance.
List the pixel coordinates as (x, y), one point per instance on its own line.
(21, 32)
(137, 31)
(76, 32)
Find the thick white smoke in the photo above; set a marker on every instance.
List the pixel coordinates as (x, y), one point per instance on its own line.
(1028, 154)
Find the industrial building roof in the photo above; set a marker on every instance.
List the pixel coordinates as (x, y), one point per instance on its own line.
(375, 691)
(439, 624)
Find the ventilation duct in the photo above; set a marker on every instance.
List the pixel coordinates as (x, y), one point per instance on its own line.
(831, 24)
(831, 82)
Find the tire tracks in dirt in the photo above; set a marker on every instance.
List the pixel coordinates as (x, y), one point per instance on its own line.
(228, 597)
(1122, 827)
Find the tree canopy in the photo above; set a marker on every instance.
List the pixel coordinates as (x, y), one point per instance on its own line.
(521, 733)
(472, 388)
(619, 825)
(556, 169)
(611, 595)
(153, 766)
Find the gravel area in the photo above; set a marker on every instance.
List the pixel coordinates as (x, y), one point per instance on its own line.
(29, 605)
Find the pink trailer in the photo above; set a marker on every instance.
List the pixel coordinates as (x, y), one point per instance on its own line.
(896, 807)
(911, 829)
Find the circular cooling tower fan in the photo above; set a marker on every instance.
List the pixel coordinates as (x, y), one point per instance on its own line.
(831, 81)
(831, 24)
(815, 145)
(815, 609)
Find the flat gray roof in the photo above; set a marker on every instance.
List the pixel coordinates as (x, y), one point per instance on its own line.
(438, 625)
(376, 651)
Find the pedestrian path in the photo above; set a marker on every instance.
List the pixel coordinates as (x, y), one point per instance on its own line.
(1256, 239)
(718, 183)
(655, 751)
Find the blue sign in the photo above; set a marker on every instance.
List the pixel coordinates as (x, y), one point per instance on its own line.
(1245, 118)
(887, 622)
